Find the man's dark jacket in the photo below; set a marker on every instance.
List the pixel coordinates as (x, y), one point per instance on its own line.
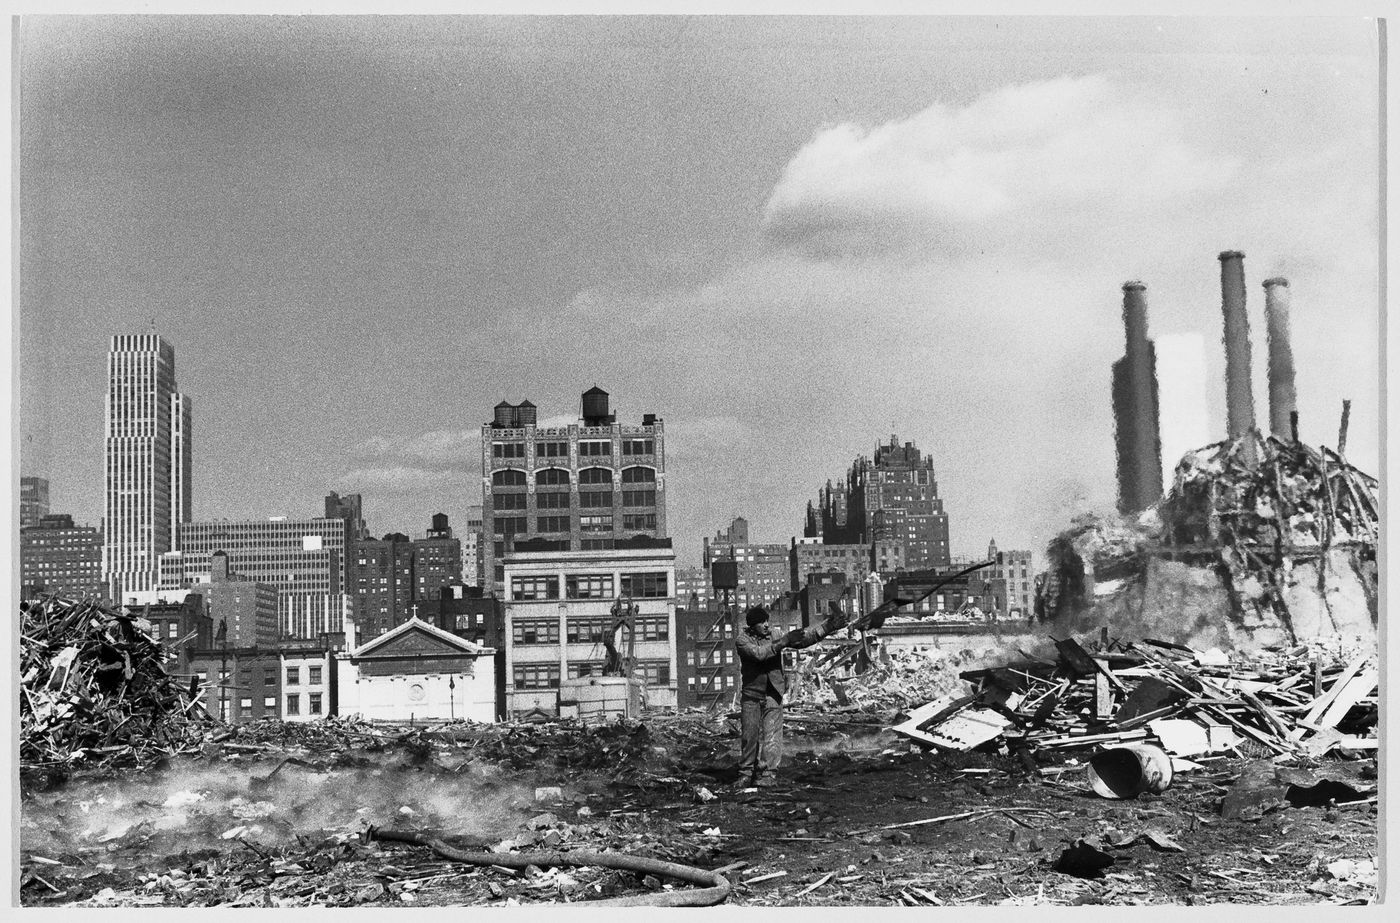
(761, 657)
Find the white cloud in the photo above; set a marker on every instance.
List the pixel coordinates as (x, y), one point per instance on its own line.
(1028, 153)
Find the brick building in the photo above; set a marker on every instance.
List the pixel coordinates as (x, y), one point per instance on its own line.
(58, 557)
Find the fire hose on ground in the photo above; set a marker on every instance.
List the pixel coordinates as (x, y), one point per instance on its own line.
(714, 891)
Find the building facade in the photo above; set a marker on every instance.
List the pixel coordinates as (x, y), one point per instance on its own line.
(892, 498)
(1011, 583)
(58, 557)
(810, 555)
(33, 500)
(237, 684)
(763, 571)
(707, 675)
(303, 559)
(418, 672)
(381, 584)
(437, 561)
(559, 607)
(148, 462)
(246, 609)
(308, 673)
(582, 487)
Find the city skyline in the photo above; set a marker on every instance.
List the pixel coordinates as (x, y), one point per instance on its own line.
(789, 239)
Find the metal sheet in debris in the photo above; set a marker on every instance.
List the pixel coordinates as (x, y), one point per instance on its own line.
(962, 731)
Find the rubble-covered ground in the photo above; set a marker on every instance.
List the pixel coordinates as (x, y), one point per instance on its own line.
(280, 815)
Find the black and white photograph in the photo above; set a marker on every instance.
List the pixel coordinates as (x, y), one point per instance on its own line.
(874, 456)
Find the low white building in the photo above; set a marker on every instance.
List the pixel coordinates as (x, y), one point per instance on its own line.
(308, 683)
(558, 607)
(418, 672)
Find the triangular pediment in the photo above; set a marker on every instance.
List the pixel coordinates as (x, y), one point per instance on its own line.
(416, 638)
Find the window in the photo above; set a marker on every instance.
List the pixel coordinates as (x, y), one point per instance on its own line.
(654, 672)
(508, 501)
(597, 523)
(595, 544)
(270, 703)
(634, 521)
(314, 679)
(534, 587)
(595, 476)
(638, 476)
(293, 704)
(690, 632)
(203, 676)
(535, 631)
(270, 676)
(508, 478)
(587, 630)
(645, 586)
(653, 628)
(552, 477)
(577, 670)
(536, 676)
(640, 498)
(171, 629)
(551, 449)
(293, 676)
(595, 499)
(637, 446)
(245, 708)
(507, 450)
(315, 704)
(509, 525)
(594, 449)
(552, 524)
(589, 586)
(552, 500)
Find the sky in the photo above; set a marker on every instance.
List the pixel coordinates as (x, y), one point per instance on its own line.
(789, 237)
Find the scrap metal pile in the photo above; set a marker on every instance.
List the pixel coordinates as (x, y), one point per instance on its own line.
(868, 677)
(94, 690)
(1295, 702)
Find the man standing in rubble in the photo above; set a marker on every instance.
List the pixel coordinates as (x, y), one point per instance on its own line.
(763, 685)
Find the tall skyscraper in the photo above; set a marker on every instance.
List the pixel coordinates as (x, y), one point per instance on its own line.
(579, 487)
(892, 500)
(148, 490)
(33, 500)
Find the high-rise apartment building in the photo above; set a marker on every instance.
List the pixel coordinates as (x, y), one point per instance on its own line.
(245, 609)
(58, 557)
(580, 487)
(437, 561)
(473, 564)
(351, 509)
(148, 486)
(892, 498)
(381, 585)
(33, 500)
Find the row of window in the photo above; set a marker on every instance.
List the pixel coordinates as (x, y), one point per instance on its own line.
(710, 658)
(588, 499)
(649, 585)
(559, 477)
(546, 675)
(709, 683)
(313, 676)
(585, 630)
(711, 633)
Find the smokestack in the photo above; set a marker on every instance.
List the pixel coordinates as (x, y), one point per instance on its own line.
(1239, 395)
(1137, 435)
(1283, 396)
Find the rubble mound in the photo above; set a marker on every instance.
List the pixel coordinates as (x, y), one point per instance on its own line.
(94, 690)
(889, 680)
(1241, 554)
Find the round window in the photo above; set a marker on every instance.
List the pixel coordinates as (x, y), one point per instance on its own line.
(416, 693)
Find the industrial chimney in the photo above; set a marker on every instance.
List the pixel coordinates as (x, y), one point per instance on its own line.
(1239, 393)
(1283, 395)
(1137, 439)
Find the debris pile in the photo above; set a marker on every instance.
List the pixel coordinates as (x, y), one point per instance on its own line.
(1243, 554)
(1298, 702)
(868, 677)
(93, 689)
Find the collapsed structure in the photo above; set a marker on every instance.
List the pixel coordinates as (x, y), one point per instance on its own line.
(1261, 540)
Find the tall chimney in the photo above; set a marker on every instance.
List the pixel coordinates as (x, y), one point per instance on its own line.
(1283, 396)
(1137, 436)
(1239, 394)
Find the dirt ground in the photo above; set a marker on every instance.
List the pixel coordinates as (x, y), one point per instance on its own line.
(225, 829)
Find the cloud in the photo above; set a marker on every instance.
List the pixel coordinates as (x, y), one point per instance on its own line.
(440, 447)
(955, 179)
(402, 480)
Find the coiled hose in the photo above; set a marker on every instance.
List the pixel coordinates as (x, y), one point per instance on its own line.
(715, 891)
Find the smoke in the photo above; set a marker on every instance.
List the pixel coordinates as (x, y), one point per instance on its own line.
(214, 805)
